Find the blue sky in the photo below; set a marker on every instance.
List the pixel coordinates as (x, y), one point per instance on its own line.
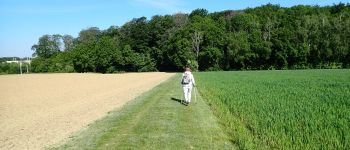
(22, 22)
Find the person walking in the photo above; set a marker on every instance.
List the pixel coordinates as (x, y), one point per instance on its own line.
(188, 83)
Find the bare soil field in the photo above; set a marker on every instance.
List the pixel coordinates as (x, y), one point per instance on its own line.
(38, 110)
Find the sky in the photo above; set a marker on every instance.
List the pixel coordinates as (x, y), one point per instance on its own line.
(23, 22)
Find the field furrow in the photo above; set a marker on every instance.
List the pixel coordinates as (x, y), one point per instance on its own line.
(38, 110)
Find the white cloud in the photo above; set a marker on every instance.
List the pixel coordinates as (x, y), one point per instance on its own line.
(171, 6)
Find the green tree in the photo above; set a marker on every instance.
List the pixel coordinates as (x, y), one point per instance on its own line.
(238, 51)
(199, 12)
(161, 27)
(83, 57)
(47, 46)
(136, 34)
(68, 42)
(89, 35)
(265, 37)
(179, 50)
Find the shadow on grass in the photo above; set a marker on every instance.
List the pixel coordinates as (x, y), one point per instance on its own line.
(178, 100)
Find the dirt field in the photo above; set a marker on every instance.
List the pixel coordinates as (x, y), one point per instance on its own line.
(38, 110)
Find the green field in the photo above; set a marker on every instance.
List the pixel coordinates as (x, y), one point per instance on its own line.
(302, 109)
(299, 109)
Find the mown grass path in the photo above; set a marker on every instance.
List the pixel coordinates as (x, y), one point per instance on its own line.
(156, 120)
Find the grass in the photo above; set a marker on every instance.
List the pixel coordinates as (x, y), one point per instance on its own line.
(300, 109)
(155, 120)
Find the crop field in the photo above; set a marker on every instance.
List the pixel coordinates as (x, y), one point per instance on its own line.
(38, 110)
(301, 109)
(294, 109)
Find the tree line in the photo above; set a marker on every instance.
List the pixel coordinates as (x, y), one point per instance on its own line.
(265, 37)
(13, 68)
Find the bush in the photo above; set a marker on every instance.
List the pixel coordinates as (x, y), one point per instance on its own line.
(10, 68)
(57, 63)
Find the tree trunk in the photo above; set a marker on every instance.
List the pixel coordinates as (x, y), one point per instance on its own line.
(197, 39)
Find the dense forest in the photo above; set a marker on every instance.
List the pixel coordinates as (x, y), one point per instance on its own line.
(265, 37)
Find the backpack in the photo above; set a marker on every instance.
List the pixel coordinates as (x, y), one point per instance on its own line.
(186, 79)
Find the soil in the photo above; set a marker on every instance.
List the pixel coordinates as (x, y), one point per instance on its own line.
(38, 110)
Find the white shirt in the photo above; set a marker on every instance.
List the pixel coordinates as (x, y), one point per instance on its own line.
(192, 81)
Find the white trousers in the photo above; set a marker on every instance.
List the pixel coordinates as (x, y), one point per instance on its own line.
(187, 93)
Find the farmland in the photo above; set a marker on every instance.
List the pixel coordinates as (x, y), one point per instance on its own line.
(287, 109)
(303, 109)
(38, 110)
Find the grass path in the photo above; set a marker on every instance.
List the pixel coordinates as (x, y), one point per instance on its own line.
(155, 120)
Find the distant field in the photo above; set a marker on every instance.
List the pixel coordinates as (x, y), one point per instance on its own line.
(301, 109)
(37, 110)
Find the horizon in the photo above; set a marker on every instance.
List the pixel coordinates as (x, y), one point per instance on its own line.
(25, 22)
